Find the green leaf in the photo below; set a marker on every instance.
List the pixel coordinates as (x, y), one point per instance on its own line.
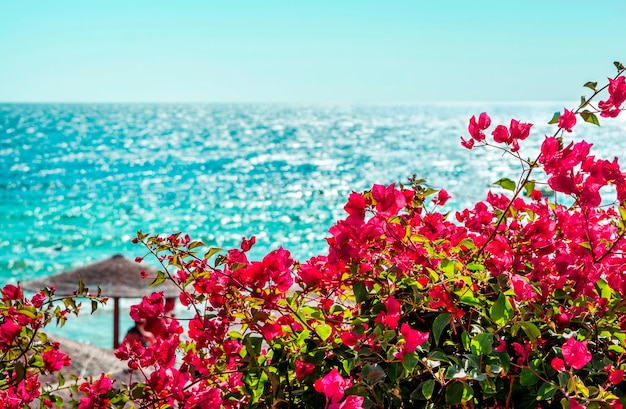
(447, 266)
(373, 374)
(506, 183)
(489, 387)
(439, 324)
(482, 344)
(427, 388)
(160, 278)
(527, 377)
(410, 361)
(212, 251)
(234, 335)
(475, 267)
(324, 331)
(465, 340)
(27, 311)
(618, 65)
(591, 85)
(501, 311)
(438, 356)
(195, 244)
(470, 299)
(457, 393)
(555, 118)
(454, 393)
(531, 330)
(360, 292)
(467, 242)
(546, 391)
(590, 117)
(529, 187)
(395, 371)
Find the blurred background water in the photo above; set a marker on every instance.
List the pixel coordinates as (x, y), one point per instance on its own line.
(78, 180)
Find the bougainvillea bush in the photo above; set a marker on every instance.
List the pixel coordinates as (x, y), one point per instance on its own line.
(514, 303)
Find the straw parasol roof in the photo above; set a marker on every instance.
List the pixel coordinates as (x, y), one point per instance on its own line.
(117, 277)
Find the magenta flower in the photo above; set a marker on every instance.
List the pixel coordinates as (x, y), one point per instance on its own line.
(303, 369)
(616, 376)
(391, 316)
(351, 402)
(11, 292)
(476, 128)
(54, 359)
(574, 404)
(442, 198)
(412, 338)
(333, 385)
(617, 96)
(557, 364)
(575, 353)
(567, 120)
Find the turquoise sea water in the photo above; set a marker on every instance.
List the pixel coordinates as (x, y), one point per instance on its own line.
(78, 180)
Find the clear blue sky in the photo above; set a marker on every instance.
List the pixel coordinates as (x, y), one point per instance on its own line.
(305, 51)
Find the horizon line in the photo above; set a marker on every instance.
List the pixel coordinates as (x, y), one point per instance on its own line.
(440, 102)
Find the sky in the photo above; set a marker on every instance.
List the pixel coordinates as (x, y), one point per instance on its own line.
(306, 51)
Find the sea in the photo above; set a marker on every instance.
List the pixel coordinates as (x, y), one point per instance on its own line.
(77, 181)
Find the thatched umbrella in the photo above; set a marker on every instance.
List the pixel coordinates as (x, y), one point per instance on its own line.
(117, 277)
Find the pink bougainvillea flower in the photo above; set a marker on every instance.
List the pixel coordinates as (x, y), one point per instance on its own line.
(391, 316)
(351, 402)
(557, 364)
(519, 130)
(246, 244)
(575, 353)
(617, 95)
(523, 352)
(388, 199)
(574, 404)
(501, 134)
(516, 131)
(412, 338)
(54, 359)
(96, 393)
(333, 385)
(303, 369)
(616, 376)
(349, 338)
(476, 128)
(149, 307)
(271, 331)
(469, 144)
(442, 198)
(9, 330)
(523, 290)
(11, 292)
(356, 205)
(38, 299)
(567, 120)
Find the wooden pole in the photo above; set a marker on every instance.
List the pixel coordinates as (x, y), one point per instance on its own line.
(116, 322)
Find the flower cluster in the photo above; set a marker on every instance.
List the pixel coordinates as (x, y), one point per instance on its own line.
(516, 302)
